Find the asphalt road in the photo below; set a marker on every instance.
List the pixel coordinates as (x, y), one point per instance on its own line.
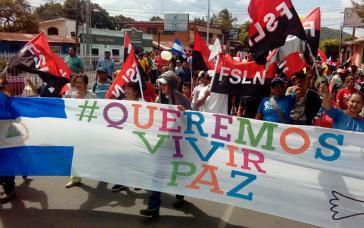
(45, 202)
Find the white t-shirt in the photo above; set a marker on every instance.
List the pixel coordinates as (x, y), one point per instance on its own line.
(89, 95)
(195, 95)
(215, 103)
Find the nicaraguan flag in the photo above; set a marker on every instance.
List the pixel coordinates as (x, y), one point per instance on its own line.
(21, 159)
(179, 49)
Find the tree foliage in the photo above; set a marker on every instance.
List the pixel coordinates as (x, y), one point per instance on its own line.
(331, 47)
(120, 21)
(225, 21)
(156, 18)
(199, 20)
(15, 16)
(49, 10)
(244, 33)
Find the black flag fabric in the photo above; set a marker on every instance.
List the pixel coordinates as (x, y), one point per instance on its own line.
(272, 22)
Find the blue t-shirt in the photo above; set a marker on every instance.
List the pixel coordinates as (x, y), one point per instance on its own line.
(285, 104)
(344, 122)
(101, 89)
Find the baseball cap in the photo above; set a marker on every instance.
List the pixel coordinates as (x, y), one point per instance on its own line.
(277, 81)
(101, 70)
(162, 80)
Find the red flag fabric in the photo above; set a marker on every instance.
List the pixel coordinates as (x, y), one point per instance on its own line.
(200, 55)
(294, 54)
(127, 46)
(322, 55)
(273, 21)
(128, 73)
(37, 57)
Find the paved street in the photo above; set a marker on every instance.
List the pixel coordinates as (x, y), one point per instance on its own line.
(45, 202)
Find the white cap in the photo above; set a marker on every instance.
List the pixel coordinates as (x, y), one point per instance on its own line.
(162, 81)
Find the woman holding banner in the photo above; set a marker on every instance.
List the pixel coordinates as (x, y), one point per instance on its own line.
(350, 119)
(81, 82)
(168, 94)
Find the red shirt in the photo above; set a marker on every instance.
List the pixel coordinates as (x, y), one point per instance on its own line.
(149, 93)
(343, 96)
(159, 62)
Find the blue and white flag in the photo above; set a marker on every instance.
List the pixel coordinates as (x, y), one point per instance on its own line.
(179, 49)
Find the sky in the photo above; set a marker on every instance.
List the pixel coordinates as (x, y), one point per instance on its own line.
(331, 10)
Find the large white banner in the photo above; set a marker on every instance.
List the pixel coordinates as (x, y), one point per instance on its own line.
(313, 175)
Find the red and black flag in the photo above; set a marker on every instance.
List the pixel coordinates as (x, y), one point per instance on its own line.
(127, 46)
(273, 21)
(37, 57)
(130, 72)
(200, 55)
(294, 55)
(242, 78)
(312, 26)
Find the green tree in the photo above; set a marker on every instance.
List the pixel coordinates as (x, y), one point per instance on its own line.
(156, 18)
(49, 10)
(15, 16)
(331, 47)
(120, 21)
(100, 17)
(225, 21)
(244, 33)
(199, 20)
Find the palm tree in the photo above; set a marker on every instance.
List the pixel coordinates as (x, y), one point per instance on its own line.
(226, 21)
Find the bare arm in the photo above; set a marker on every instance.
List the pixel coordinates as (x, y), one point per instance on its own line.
(201, 101)
(324, 91)
(259, 116)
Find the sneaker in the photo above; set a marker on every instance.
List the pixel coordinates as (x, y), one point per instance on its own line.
(151, 212)
(72, 184)
(6, 197)
(118, 188)
(178, 203)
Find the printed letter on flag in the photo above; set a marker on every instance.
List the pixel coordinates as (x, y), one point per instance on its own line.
(273, 21)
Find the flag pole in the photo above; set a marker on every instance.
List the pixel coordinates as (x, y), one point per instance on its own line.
(215, 69)
(313, 59)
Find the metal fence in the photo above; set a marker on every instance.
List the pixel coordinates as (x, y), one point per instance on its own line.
(18, 79)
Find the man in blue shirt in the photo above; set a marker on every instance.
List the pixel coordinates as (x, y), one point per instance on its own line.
(107, 63)
(102, 84)
(268, 112)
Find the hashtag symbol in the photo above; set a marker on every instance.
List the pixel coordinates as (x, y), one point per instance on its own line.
(91, 110)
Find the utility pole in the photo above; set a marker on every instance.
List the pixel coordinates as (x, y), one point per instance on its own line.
(88, 24)
(208, 23)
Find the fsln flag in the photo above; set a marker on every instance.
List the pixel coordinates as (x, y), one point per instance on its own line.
(200, 55)
(312, 26)
(129, 73)
(216, 49)
(179, 49)
(242, 78)
(37, 57)
(127, 46)
(272, 22)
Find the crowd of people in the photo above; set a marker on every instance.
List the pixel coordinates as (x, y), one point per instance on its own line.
(323, 96)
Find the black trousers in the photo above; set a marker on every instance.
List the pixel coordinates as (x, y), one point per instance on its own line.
(8, 183)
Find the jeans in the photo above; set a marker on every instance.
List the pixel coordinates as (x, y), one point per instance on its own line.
(154, 199)
(8, 183)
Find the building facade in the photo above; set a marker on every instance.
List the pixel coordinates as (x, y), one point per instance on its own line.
(355, 50)
(166, 39)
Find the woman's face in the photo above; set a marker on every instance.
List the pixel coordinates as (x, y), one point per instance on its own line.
(130, 93)
(80, 84)
(164, 89)
(350, 83)
(355, 104)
